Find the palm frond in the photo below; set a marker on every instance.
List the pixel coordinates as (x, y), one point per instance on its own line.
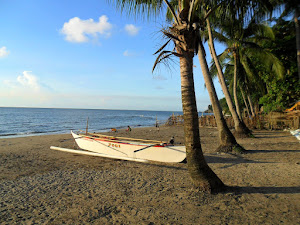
(162, 47)
(169, 35)
(190, 12)
(258, 29)
(143, 8)
(274, 64)
(248, 69)
(175, 17)
(220, 37)
(164, 55)
(224, 56)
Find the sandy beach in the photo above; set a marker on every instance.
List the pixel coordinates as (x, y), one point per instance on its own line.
(42, 186)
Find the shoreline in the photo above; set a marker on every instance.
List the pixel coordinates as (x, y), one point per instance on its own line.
(42, 134)
(39, 185)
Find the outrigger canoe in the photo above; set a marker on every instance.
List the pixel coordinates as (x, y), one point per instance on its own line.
(129, 148)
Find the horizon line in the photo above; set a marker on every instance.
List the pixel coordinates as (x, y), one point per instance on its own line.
(88, 108)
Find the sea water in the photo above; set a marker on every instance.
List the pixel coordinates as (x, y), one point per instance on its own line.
(16, 122)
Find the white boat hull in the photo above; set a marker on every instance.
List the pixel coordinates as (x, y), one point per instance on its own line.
(134, 150)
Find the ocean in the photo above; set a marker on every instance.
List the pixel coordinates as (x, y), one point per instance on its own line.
(19, 122)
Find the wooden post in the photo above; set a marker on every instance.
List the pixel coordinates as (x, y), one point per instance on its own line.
(87, 126)
(173, 119)
(297, 122)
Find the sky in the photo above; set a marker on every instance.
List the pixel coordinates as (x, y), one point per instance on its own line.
(87, 54)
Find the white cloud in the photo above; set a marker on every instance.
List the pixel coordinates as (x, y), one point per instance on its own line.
(77, 30)
(25, 90)
(159, 77)
(131, 29)
(128, 53)
(28, 80)
(3, 52)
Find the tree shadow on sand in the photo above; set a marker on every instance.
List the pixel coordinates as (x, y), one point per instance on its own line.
(232, 161)
(263, 190)
(229, 162)
(272, 151)
(258, 136)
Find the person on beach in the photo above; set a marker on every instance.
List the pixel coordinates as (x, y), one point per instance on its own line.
(128, 128)
(172, 141)
(157, 125)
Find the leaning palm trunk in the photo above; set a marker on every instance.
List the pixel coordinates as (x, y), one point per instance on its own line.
(227, 140)
(236, 67)
(245, 101)
(297, 39)
(202, 176)
(239, 126)
(251, 105)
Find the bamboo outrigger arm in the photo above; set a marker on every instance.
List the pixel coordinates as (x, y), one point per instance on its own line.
(124, 138)
(97, 154)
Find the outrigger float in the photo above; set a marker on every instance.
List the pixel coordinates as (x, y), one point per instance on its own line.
(126, 148)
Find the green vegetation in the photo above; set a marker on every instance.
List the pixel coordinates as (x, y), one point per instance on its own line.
(282, 93)
(265, 87)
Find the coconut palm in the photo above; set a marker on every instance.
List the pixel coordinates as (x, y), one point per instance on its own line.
(228, 142)
(240, 127)
(254, 63)
(243, 45)
(183, 34)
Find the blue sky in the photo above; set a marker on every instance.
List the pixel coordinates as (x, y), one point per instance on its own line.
(86, 54)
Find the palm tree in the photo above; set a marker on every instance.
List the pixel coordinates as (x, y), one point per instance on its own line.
(244, 99)
(254, 88)
(243, 45)
(240, 127)
(228, 142)
(183, 34)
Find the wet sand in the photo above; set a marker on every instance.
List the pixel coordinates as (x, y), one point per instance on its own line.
(42, 186)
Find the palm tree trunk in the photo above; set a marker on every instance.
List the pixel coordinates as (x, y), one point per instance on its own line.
(251, 105)
(202, 176)
(227, 140)
(245, 101)
(239, 126)
(235, 84)
(297, 39)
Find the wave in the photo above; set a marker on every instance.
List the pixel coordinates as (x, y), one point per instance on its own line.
(31, 121)
(29, 133)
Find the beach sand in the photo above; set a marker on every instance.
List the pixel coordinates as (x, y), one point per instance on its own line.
(43, 186)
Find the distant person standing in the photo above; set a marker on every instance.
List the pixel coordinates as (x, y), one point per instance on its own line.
(157, 125)
(128, 128)
(172, 141)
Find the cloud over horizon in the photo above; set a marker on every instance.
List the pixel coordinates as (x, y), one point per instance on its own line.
(131, 29)
(3, 52)
(26, 83)
(29, 80)
(25, 90)
(78, 30)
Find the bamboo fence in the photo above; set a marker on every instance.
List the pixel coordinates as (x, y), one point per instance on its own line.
(274, 120)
